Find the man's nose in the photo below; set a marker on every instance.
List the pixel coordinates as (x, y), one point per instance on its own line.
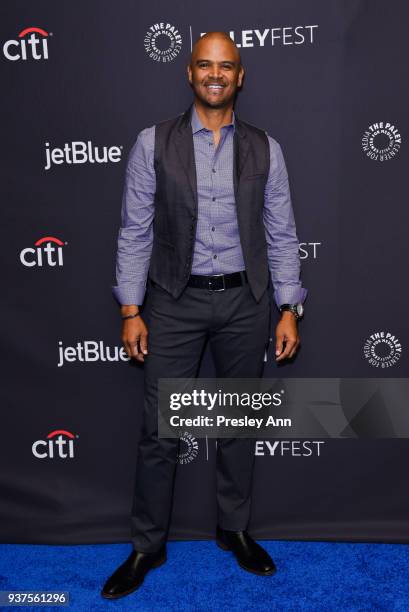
(215, 72)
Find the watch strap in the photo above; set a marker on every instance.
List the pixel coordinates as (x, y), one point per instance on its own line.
(292, 308)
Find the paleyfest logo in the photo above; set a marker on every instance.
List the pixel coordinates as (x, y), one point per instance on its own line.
(59, 444)
(31, 43)
(191, 448)
(381, 141)
(48, 251)
(272, 37)
(294, 448)
(162, 42)
(309, 250)
(382, 349)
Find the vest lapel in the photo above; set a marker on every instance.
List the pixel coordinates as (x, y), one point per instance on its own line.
(185, 151)
(241, 148)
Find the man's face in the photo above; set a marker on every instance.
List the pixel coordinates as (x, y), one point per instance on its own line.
(215, 72)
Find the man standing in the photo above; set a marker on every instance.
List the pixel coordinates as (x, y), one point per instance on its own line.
(206, 217)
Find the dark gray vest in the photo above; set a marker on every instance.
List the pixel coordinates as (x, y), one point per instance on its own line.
(176, 206)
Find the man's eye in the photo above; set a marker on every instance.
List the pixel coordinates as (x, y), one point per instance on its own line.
(203, 65)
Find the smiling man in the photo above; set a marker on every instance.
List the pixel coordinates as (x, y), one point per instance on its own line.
(207, 221)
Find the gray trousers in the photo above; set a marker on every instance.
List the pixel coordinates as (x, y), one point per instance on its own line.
(238, 329)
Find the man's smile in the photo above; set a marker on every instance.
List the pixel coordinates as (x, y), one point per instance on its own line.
(215, 88)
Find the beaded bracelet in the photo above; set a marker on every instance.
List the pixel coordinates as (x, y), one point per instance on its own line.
(132, 316)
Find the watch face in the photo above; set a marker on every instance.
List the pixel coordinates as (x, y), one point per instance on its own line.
(300, 309)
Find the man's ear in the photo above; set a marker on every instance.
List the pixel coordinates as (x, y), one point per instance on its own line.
(189, 74)
(241, 77)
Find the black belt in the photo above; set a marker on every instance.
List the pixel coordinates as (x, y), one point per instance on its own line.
(217, 282)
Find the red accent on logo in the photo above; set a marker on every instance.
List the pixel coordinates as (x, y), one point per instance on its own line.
(27, 30)
(60, 431)
(48, 239)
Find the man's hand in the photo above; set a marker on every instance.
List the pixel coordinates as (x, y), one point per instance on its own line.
(287, 331)
(134, 334)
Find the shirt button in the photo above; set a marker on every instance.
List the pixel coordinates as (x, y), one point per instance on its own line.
(213, 228)
(213, 170)
(214, 256)
(213, 199)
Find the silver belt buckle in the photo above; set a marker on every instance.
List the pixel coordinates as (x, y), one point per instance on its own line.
(224, 283)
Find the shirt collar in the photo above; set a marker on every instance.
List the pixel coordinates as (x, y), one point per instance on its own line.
(197, 124)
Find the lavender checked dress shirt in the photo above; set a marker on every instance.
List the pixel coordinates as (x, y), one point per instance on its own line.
(217, 248)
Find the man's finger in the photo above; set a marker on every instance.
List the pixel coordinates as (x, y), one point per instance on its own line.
(131, 348)
(144, 343)
(135, 348)
(128, 348)
(289, 346)
(295, 349)
(279, 344)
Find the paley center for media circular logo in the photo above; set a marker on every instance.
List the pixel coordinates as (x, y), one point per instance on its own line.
(162, 42)
(191, 448)
(381, 141)
(382, 349)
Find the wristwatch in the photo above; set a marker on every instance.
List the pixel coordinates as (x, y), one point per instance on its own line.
(296, 309)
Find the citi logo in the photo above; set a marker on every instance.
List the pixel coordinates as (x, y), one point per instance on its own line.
(31, 43)
(59, 443)
(47, 252)
(79, 152)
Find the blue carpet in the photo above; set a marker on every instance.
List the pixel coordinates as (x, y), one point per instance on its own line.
(313, 576)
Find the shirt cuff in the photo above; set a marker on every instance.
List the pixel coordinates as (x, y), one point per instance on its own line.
(290, 295)
(129, 294)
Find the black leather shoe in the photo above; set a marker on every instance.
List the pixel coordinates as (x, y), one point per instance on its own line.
(130, 575)
(250, 555)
